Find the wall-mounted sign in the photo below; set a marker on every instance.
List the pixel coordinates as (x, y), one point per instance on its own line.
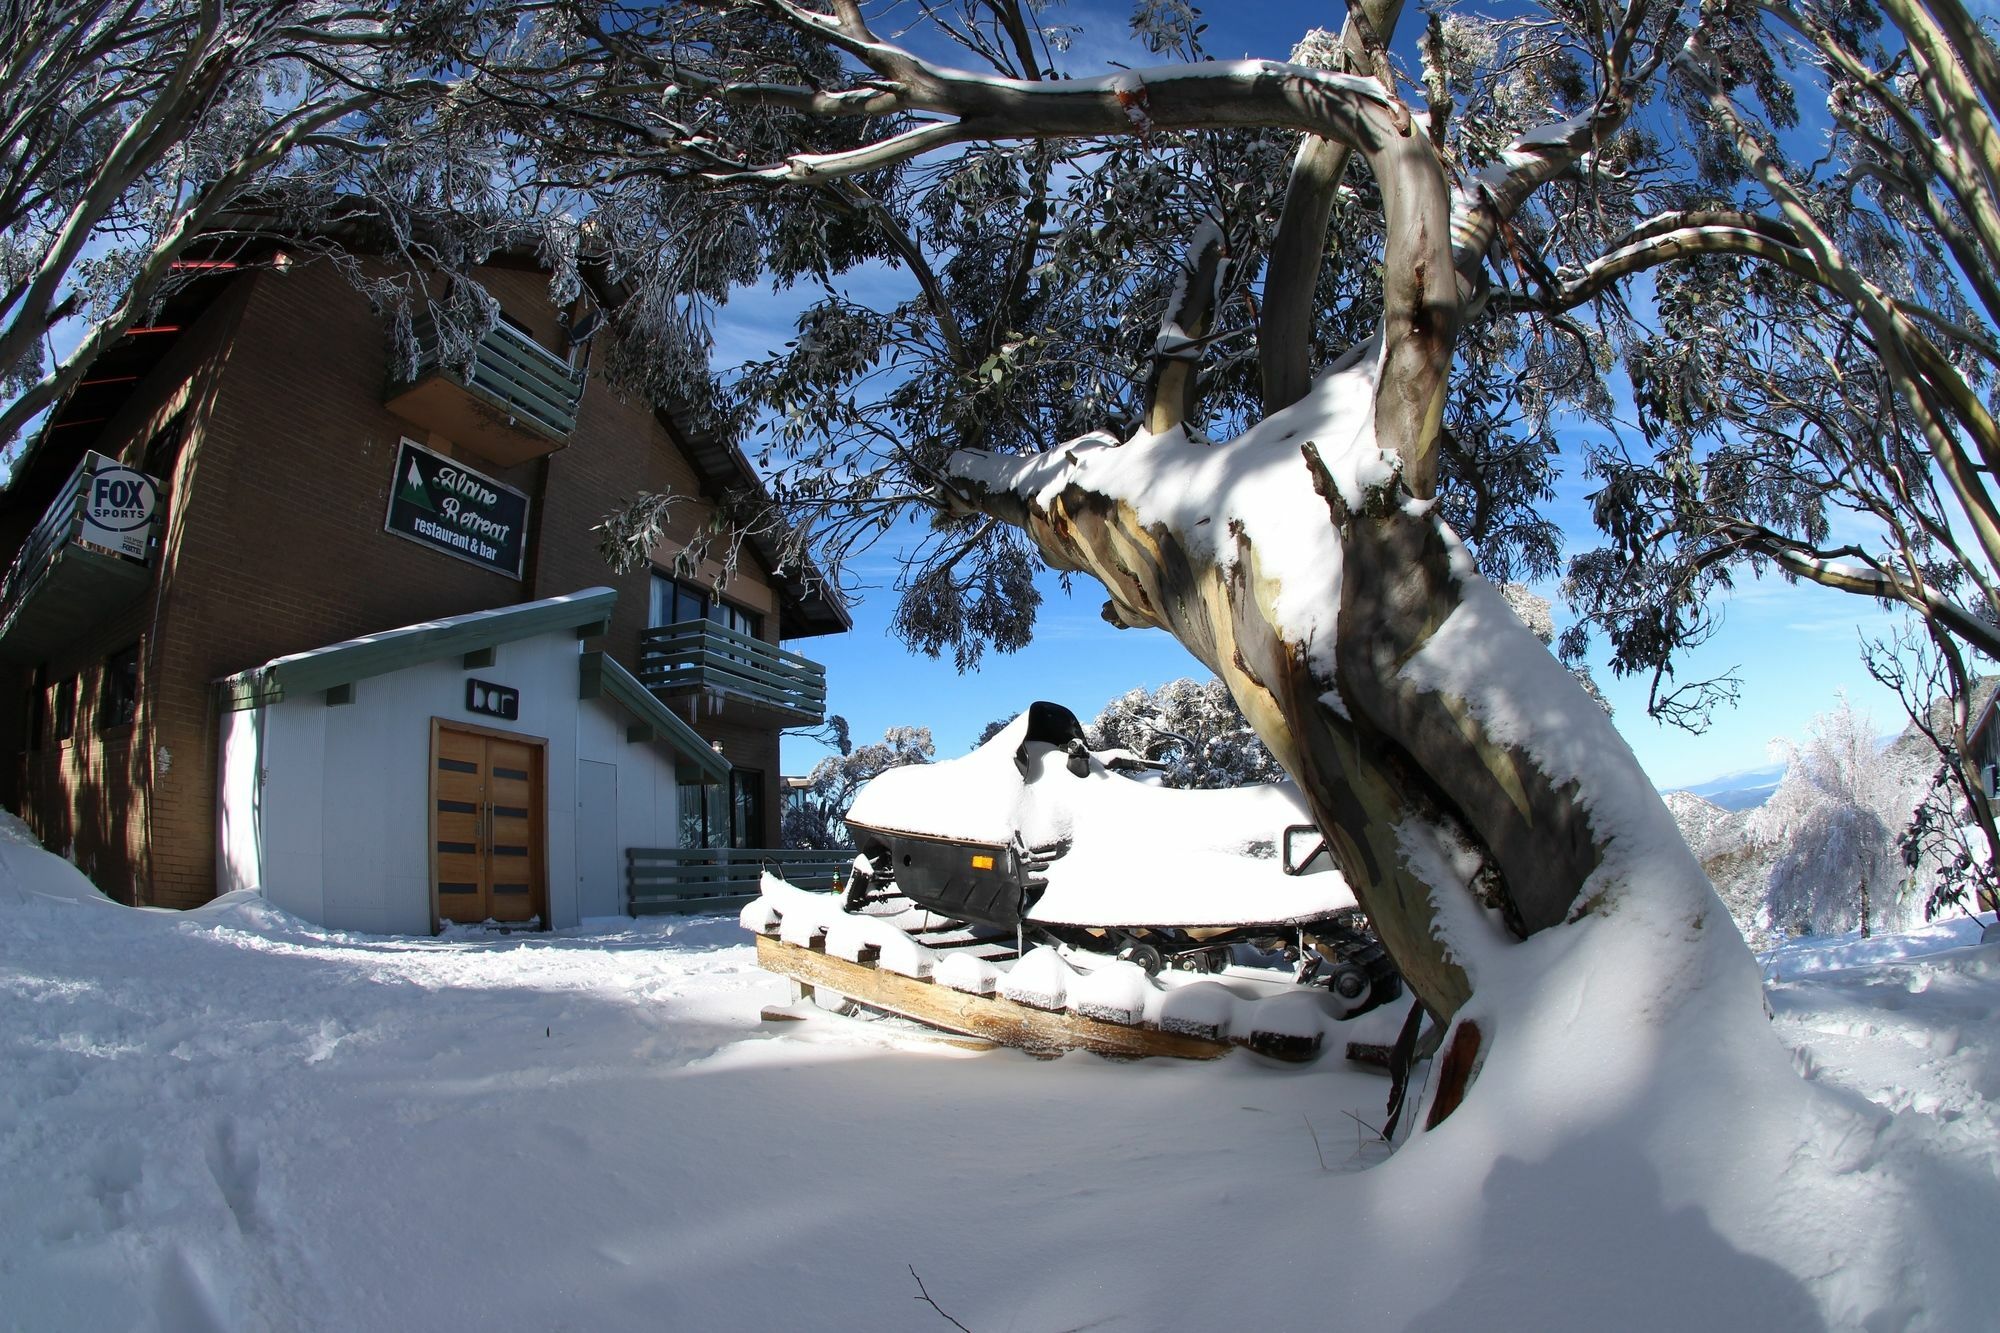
(118, 506)
(483, 696)
(447, 506)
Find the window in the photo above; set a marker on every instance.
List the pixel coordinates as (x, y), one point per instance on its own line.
(715, 815)
(736, 618)
(746, 808)
(675, 601)
(63, 719)
(38, 708)
(163, 449)
(118, 699)
(704, 814)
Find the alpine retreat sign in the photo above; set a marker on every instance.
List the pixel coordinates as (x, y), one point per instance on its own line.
(446, 505)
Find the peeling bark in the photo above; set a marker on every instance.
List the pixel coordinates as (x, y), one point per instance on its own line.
(1298, 251)
(1379, 758)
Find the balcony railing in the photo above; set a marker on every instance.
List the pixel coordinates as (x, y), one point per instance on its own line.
(514, 401)
(702, 657)
(60, 585)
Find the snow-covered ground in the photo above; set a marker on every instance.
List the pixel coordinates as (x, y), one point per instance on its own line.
(225, 1119)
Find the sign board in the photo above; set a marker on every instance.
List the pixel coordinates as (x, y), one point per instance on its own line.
(448, 507)
(483, 696)
(118, 506)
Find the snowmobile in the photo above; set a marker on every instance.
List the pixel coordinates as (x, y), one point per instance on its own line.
(1033, 833)
(1037, 872)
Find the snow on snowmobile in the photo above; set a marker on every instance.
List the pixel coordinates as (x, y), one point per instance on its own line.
(1039, 876)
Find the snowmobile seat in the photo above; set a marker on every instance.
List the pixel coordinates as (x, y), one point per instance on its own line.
(1052, 724)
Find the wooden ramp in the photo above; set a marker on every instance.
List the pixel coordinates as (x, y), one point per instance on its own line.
(997, 1019)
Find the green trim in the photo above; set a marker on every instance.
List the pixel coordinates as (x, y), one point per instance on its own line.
(601, 676)
(393, 650)
(481, 658)
(236, 694)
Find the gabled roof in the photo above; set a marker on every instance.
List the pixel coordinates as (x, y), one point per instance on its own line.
(341, 664)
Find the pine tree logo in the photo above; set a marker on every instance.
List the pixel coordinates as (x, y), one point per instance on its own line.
(413, 491)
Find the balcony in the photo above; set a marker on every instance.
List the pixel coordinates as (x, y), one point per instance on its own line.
(699, 658)
(516, 401)
(61, 585)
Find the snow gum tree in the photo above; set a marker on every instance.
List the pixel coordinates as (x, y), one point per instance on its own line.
(1838, 815)
(1191, 728)
(814, 818)
(1270, 349)
(145, 143)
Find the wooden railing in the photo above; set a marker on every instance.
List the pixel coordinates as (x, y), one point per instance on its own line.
(719, 879)
(58, 586)
(516, 374)
(700, 655)
(62, 522)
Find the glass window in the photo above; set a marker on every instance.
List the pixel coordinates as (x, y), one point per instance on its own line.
(746, 808)
(38, 708)
(64, 719)
(704, 813)
(163, 449)
(736, 618)
(118, 699)
(674, 601)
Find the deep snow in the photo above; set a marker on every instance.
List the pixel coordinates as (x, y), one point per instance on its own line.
(226, 1119)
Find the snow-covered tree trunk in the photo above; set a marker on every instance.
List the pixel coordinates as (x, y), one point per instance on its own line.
(1469, 788)
(1451, 761)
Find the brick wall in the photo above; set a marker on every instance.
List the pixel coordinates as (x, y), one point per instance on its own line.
(276, 545)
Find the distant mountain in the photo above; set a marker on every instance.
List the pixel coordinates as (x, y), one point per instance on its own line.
(1742, 790)
(1743, 798)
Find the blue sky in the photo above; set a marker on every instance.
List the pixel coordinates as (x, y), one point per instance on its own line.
(1795, 649)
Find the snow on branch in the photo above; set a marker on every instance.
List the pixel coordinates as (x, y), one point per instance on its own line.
(1485, 203)
(1354, 110)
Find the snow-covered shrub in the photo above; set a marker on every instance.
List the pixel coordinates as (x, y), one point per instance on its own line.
(1536, 613)
(813, 814)
(1796, 864)
(1191, 726)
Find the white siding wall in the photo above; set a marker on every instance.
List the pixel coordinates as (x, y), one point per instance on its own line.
(338, 831)
(646, 792)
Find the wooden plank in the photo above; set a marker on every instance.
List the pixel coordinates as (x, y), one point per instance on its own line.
(1037, 1031)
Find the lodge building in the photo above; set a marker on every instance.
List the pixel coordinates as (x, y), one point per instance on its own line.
(280, 616)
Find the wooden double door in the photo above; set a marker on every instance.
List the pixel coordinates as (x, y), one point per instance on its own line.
(488, 825)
